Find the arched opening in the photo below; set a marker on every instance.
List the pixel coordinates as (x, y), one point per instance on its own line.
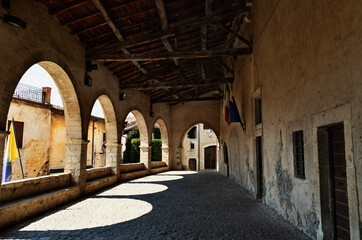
(45, 114)
(200, 148)
(102, 131)
(135, 139)
(160, 145)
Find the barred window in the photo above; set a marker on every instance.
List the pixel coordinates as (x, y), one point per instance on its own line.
(298, 149)
(192, 145)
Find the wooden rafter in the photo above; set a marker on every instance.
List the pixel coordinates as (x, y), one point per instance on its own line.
(188, 100)
(203, 21)
(163, 16)
(166, 85)
(115, 30)
(156, 56)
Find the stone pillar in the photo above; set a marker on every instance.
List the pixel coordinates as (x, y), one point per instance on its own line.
(113, 158)
(145, 156)
(178, 164)
(3, 135)
(166, 155)
(76, 160)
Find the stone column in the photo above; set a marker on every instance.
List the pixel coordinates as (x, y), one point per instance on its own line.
(3, 135)
(113, 158)
(178, 164)
(76, 160)
(145, 156)
(166, 155)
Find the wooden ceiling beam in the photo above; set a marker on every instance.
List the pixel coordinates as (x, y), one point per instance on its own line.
(181, 100)
(157, 56)
(214, 20)
(166, 85)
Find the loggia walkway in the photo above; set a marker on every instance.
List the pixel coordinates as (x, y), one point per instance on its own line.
(171, 205)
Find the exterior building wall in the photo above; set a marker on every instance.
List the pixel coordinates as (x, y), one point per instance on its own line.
(43, 138)
(99, 156)
(207, 138)
(36, 138)
(306, 67)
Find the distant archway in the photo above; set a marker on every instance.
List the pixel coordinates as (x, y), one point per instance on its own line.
(198, 138)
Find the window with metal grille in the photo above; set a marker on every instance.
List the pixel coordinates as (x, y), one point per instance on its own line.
(298, 149)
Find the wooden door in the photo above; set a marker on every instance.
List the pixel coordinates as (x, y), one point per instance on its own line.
(210, 157)
(259, 162)
(339, 182)
(192, 164)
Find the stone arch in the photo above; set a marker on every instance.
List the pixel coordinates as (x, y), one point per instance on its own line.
(74, 145)
(110, 118)
(189, 126)
(145, 156)
(113, 148)
(69, 99)
(165, 140)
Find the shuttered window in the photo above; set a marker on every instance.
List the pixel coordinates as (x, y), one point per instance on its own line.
(19, 129)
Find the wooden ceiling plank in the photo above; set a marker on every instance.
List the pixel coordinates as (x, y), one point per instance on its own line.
(68, 7)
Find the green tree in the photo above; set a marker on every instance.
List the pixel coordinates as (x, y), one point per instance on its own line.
(129, 156)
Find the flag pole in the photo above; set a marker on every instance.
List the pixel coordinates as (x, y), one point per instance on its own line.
(21, 164)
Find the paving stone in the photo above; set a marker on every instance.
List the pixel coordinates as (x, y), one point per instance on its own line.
(171, 205)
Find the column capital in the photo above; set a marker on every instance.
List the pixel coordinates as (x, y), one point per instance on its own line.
(76, 141)
(115, 145)
(145, 147)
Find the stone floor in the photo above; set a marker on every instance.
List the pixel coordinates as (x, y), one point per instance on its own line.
(171, 205)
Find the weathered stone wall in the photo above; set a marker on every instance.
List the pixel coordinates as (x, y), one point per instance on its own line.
(306, 66)
(36, 137)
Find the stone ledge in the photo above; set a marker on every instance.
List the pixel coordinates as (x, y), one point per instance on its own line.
(28, 187)
(97, 173)
(133, 175)
(99, 184)
(16, 211)
(132, 167)
(158, 164)
(159, 170)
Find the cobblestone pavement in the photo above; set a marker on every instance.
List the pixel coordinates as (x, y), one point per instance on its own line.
(171, 205)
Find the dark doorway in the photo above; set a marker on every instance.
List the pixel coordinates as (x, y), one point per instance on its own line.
(210, 157)
(226, 159)
(259, 162)
(333, 181)
(192, 164)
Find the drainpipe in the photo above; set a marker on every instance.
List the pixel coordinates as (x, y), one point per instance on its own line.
(93, 144)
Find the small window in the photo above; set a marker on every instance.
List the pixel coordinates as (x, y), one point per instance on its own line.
(192, 133)
(258, 119)
(205, 127)
(19, 129)
(192, 145)
(298, 149)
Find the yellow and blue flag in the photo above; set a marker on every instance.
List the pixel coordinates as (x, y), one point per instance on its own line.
(11, 154)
